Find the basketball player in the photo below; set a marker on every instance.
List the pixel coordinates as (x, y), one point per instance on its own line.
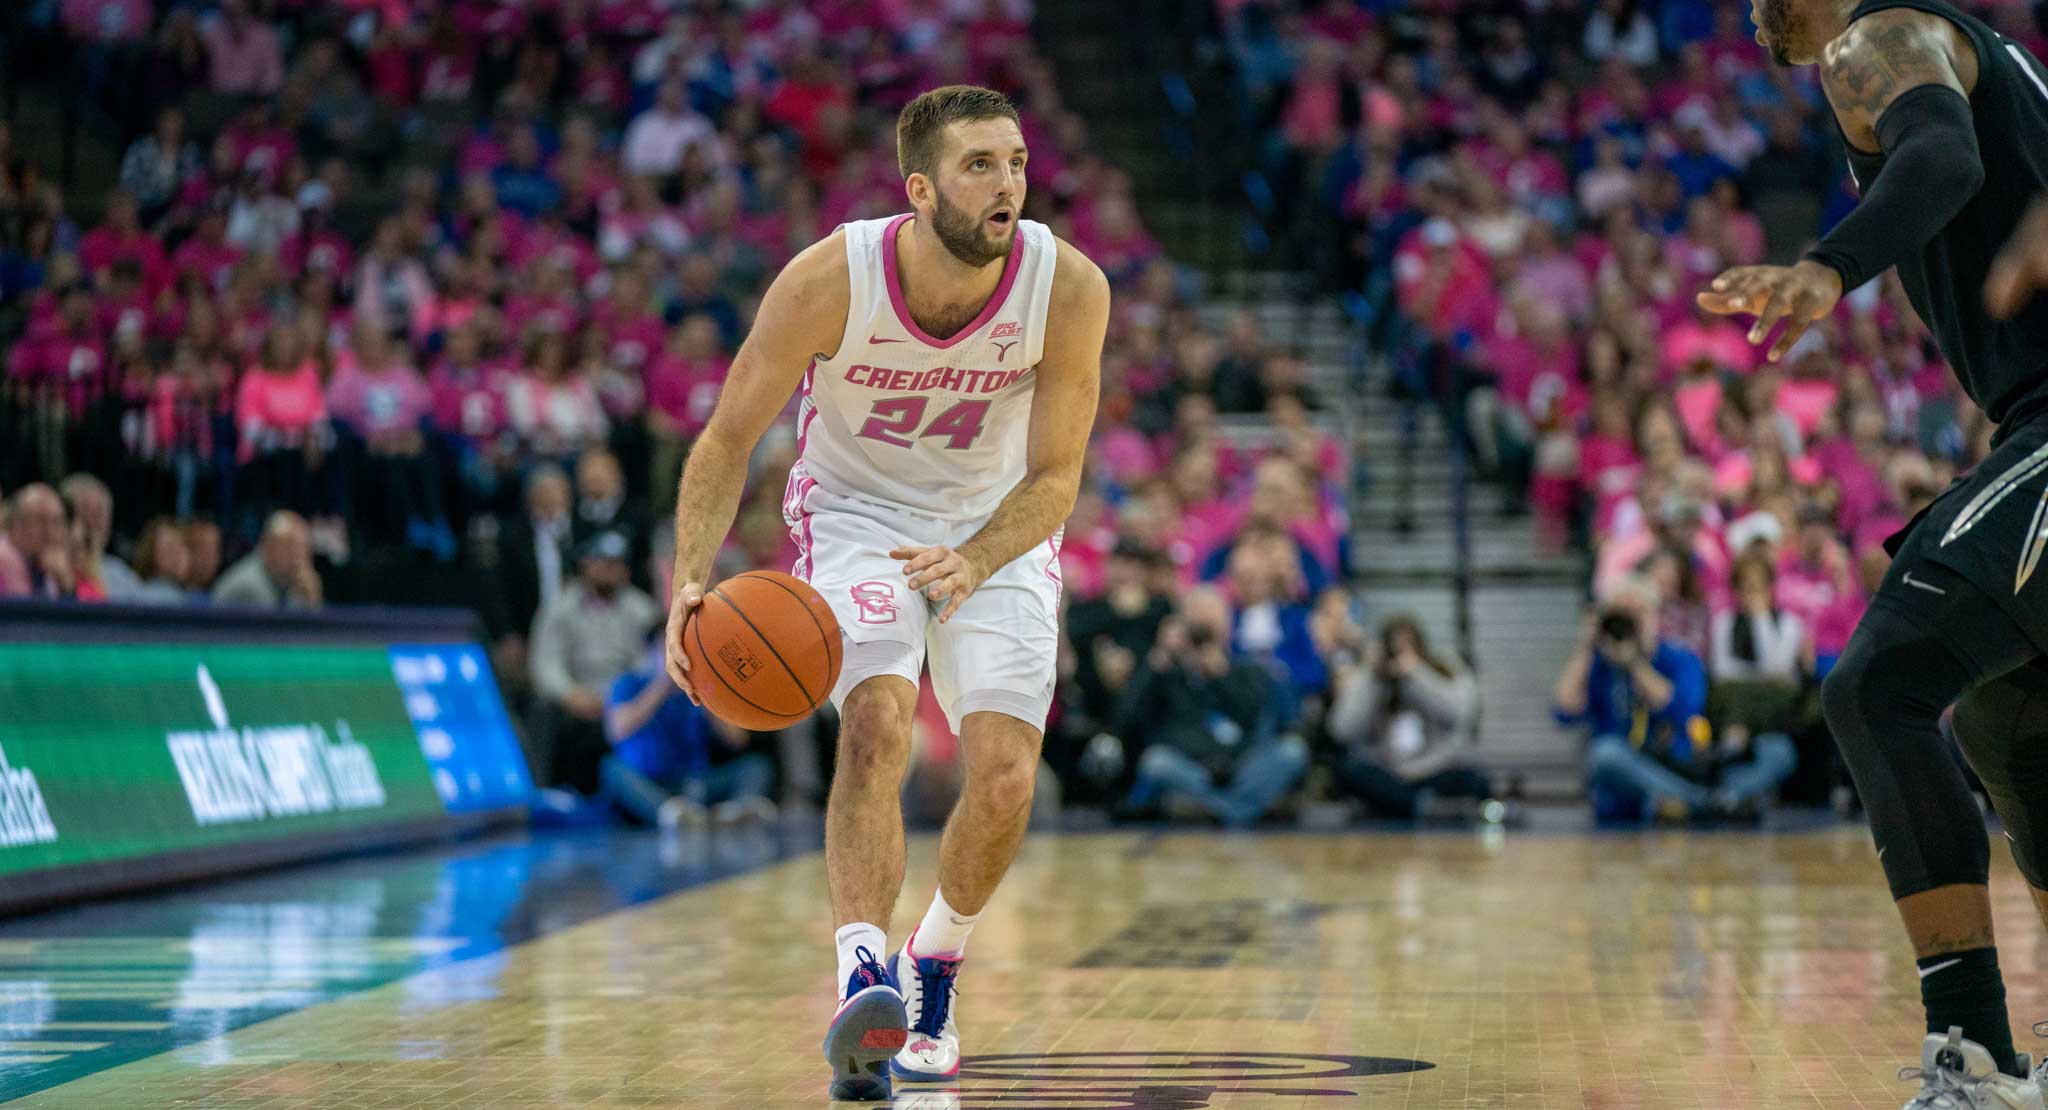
(1947, 127)
(949, 360)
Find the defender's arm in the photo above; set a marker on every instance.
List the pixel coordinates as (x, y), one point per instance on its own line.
(1899, 82)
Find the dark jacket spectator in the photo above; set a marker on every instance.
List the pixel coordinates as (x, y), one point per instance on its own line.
(1210, 721)
(603, 505)
(535, 552)
(1112, 632)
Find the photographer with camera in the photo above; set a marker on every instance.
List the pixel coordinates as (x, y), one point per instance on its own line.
(1211, 719)
(1406, 717)
(1643, 700)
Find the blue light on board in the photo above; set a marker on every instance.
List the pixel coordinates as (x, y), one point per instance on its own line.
(464, 733)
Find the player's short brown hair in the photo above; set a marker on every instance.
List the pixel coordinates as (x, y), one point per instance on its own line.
(921, 126)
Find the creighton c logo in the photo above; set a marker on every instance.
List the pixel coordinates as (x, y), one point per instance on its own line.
(875, 602)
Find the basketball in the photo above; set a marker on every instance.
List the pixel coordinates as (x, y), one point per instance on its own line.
(763, 649)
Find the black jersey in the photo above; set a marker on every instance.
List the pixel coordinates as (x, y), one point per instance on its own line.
(2003, 364)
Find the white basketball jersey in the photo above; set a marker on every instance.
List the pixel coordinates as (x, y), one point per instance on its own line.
(931, 426)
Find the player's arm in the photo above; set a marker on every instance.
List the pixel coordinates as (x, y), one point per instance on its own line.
(1899, 82)
(2022, 267)
(802, 316)
(1062, 416)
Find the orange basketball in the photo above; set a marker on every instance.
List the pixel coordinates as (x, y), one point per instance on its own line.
(764, 650)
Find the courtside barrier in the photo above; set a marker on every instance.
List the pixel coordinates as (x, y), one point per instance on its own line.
(142, 746)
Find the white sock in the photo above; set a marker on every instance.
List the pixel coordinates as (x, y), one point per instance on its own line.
(860, 934)
(943, 932)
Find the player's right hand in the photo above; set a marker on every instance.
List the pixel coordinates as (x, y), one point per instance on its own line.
(1795, 295)
(688, 595)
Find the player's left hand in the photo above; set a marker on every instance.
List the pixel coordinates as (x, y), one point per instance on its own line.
(943, 574)
(2021, 269)
(1797, 295)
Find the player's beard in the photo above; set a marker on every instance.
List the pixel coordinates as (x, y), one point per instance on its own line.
(1781, 26)
(965, 234)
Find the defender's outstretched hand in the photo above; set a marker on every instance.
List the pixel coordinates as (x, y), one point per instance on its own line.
(1795, 295)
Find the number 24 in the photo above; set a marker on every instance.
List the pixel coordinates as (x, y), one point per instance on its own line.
(896, 417)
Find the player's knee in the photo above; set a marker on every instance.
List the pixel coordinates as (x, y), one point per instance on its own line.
(1009, 778)
(1871, 691)
(1002, 763)
(874, 736)
(1840, 693)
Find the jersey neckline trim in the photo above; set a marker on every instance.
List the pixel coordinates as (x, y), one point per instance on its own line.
(996, 300)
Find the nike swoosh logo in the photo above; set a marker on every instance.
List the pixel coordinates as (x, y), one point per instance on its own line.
(873, 339)
(1924, 586)
(1943, 965)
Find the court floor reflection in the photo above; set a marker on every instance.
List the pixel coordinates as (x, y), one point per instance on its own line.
(99, 985)
(1127, 971)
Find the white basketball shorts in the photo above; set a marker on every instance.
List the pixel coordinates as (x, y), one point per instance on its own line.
(997, 654)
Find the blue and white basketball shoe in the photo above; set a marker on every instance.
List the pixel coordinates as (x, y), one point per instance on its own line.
(866, 1033)
(932, 1053)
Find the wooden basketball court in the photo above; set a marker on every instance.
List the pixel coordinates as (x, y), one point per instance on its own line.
(1129, 970)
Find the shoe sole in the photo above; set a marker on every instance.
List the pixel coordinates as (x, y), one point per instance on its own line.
(863, 1040)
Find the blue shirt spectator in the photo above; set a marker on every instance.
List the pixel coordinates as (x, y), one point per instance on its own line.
(1615, 706)
(674, 743)
(671, 762)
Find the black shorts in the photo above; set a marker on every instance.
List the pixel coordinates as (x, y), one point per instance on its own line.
(1990, 528)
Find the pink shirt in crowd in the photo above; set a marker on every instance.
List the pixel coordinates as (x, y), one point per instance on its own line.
(244, 60)
(73, 366)
(276, 411)
(1608, 468)
(556, 418)
(633, 339)
(103, 246)
(1619, 558)
(1806, 400)
(684, 390)
(214, 262)
(377, 400)
(1699, 402)
(1720, 342)
(1829, 603)
(469, 401)
(107, 20)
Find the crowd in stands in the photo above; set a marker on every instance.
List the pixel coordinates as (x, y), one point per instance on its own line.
(423, 301)
(1531, 195)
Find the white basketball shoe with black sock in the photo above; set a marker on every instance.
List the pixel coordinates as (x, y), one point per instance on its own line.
(1956, 1074)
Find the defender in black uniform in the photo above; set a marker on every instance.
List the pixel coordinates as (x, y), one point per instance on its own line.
(1947, 126)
